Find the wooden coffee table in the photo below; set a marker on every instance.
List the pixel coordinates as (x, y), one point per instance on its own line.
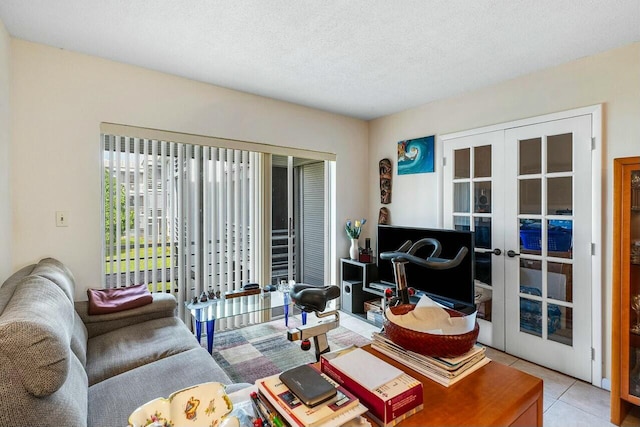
(494, 395)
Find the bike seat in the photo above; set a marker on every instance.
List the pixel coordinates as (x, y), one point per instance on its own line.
(311, 298)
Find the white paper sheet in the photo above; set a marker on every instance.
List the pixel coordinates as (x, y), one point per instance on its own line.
(366, 369)
(428, 316)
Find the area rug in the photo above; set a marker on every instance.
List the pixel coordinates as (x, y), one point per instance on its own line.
(257, 351)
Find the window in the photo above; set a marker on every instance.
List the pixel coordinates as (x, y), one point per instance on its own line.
(185, 217)
(200, 231)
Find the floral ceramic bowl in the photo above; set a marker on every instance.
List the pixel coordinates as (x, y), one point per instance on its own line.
(203, 405)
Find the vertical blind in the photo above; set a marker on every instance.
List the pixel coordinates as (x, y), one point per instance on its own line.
(181, 218)
(312, 224)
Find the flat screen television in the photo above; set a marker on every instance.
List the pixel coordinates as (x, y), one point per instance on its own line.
(453, 287)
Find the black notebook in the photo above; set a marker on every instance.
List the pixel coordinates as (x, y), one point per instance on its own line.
(308, 385)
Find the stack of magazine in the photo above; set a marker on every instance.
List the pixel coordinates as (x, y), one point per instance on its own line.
(337, 411)
(443, 370)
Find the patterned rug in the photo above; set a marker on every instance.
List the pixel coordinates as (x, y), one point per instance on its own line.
(257, 351)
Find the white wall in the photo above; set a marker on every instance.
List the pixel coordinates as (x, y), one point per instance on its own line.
(611, 78)
(5, 159)
(61, 97)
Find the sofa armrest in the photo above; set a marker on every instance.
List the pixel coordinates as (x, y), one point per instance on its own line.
(163, 305)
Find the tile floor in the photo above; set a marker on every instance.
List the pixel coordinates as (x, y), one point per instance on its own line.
(567, 402)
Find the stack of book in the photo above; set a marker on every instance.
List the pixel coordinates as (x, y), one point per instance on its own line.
(335, 412)
(390, 394)
(443, 370)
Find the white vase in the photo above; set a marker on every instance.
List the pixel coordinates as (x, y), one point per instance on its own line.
(354, 250)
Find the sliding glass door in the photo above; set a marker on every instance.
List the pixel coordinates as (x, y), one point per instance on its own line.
(298, 220)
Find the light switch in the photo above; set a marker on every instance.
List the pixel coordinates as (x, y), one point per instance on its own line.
(62, 219)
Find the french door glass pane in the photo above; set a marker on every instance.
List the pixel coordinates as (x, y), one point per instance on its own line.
(531, 277)
(560, 324)
(482, 161)
(530, 236)
(483, 267)
(530, 196)
(559, 196)
(482, 228)
(530, 316)
(462, 162)
(560, 238)
(462, 223)
(560, 281)
(530, 156)
(482, 194)
(484, 301)
(560, 153)
(461, 202)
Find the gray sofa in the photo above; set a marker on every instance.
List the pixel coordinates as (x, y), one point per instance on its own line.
(60, 366)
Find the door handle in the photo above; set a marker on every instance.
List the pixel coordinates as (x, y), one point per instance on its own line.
(496, 251)
(512, 254)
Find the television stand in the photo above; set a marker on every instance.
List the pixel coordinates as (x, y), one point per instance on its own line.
(355, 277)
(380, 287)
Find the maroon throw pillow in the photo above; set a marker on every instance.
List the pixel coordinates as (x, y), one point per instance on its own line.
(104, 301)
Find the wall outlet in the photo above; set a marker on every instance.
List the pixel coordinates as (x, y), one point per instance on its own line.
(62, 219)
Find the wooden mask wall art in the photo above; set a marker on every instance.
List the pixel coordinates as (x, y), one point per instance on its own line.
(383, 216)
(385, 190)
(385, 181)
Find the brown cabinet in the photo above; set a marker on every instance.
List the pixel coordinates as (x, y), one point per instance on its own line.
(625, 366)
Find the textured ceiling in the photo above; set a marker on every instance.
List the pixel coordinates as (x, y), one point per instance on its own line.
(359, 58)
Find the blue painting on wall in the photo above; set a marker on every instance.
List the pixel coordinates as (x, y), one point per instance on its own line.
(416, 155)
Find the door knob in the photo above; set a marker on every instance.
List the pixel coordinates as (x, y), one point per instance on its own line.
(497, 251)
(511, 254)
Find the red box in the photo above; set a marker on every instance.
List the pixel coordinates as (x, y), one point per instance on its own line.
(389, 404)
(365, 258)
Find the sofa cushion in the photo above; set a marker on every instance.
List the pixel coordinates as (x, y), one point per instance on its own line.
(79, 339)
(164, 305)
(35, 334)
(113, 400)
(127, 348)
(9, 285)
(67, 406)
(58, 273)
(103, 301)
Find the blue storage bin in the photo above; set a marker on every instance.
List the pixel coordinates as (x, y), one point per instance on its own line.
(559, 239)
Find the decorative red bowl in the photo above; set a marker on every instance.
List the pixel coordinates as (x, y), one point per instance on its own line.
(429, 344)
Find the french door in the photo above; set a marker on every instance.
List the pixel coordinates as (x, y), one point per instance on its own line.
(548, 291)
(474, 200)
(526, 193)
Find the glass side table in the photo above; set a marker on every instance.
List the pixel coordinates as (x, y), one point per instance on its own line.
(221, 308)
(285, 288)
